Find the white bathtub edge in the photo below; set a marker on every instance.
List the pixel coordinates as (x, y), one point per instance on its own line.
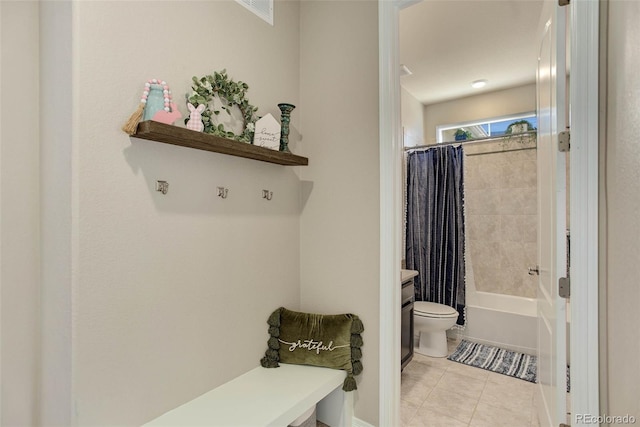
(503, 321)
(460, 335)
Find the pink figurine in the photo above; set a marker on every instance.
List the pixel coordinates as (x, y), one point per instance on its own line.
(167, 117)
(195, 118)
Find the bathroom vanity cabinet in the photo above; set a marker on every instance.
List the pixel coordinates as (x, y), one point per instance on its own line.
(408, 298)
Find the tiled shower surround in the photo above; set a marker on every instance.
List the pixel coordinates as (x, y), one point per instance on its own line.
(500, 181)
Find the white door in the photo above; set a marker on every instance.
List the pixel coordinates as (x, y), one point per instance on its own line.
(551, 86)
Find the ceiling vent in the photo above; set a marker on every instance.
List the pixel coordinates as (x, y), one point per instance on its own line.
(262, 8)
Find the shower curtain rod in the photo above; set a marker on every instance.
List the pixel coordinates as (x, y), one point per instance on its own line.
(472, 141)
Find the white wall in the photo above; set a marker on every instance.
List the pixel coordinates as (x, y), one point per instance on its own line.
(340, 222)
(150, 300)
(412, 119)
(520, 99)
(170, 293)
(19, 204)
(623, 208)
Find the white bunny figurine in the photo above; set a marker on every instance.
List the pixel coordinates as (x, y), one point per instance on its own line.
(195, 118)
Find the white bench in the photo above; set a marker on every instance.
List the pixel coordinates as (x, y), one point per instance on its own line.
(268, 397)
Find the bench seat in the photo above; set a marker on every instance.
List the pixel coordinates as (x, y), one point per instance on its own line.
(266, 397)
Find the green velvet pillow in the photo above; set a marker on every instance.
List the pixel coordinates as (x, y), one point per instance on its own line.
(331, 341)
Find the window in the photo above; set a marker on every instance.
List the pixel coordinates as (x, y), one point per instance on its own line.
(487, 128)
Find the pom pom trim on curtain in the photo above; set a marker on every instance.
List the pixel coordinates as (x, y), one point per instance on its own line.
(435, 243)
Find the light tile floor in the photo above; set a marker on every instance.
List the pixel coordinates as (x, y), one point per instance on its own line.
(437, 392)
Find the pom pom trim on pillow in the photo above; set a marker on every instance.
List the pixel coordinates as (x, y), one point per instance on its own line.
(300, 336)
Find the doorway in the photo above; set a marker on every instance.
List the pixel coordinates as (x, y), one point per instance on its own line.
(584, 85)
(450, 47)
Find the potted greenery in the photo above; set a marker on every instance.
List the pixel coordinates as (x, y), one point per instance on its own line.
(520, 126)
(462, 135)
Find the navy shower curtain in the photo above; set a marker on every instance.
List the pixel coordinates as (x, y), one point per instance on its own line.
(435, 226)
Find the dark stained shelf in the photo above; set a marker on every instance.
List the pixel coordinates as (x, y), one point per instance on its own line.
(161, 132)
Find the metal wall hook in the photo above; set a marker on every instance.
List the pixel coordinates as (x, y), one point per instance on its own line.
(222, 192)
(162, 186)
(266, 194)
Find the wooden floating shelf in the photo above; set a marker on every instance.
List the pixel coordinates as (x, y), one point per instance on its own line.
(161, 132)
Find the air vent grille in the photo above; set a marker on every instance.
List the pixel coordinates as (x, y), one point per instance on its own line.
(262, 8)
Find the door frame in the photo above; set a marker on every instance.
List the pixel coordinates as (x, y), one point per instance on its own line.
(584, 91)
(584, 181)
(390, 208)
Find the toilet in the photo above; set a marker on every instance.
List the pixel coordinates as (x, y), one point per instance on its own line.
(431, 320)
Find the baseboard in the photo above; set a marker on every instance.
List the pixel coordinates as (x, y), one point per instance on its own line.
(357, 422)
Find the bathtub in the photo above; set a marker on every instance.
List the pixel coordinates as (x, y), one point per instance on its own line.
(501, 320)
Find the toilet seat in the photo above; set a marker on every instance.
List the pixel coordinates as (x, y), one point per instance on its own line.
(432, 309)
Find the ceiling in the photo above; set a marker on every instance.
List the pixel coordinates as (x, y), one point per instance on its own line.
(447, 44)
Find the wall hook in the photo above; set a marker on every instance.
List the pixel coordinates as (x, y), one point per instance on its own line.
(266, 194)
(222, 192)
(162, 186)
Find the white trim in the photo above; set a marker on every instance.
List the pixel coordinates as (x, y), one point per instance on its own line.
(357, 422)
(390, 211)
(584, 93)
(1, 204)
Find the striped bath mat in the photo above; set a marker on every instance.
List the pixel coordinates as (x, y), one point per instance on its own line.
(507, 362)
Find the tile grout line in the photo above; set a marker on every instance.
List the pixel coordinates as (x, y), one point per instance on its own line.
(447, 371)
(478, 401)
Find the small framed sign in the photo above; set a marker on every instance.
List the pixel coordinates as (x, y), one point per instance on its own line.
(267, 133)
